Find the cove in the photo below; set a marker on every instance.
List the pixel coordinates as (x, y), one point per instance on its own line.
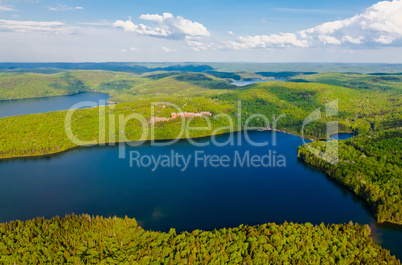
(94, 180)
(39, 105)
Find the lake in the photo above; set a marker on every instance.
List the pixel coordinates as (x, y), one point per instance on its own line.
(341, 136)
(249, 82)
(94, 180)
(39, 105)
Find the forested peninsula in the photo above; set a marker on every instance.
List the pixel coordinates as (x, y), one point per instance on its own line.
(97, 240)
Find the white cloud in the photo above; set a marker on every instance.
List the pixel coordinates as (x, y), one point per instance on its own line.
(141, 29)
(123, 50)
(64, 8)
(157, 18)
(133, 49)
(5, 8)
(352, 40)
(166, 26)
(166, 49)
(380, 24)
(27, 26)
(384, 39)
(329, 40)
(197, 44)
(267, 41)
(230, 33)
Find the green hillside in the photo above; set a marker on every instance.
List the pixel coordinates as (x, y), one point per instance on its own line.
(360, 110)
(377, 82)
(123, 87)
(30, 85)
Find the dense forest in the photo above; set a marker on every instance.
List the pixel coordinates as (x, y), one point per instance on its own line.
(88, 239)
(378, 82)
(371, 166)
(370, 106)
(122, 86)
(360, 110)
(45, 133)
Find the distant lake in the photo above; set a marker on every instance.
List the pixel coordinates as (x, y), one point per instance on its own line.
(94, 180)
(249, 82)
(39, 105)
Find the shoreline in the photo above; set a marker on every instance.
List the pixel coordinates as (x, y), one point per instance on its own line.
(108, 102)
(145, 141)
(370, 207)
(112, 144)
(364, 200)
(55, 96)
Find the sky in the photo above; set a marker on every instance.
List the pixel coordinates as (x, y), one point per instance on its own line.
(201, 31)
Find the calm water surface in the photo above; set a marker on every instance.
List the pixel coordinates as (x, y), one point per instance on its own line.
(38, 105)
(95, 181)
(249, 82)
(341, 136)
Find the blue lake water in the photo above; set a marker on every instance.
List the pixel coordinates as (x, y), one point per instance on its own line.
(38, 105)
(249, 82)
(341, 136)
(94, 180)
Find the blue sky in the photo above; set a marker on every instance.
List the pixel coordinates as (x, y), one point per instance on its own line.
(201, 31)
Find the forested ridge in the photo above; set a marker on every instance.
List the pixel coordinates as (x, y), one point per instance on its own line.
(122, 86)
(371, 166)
(88, 239)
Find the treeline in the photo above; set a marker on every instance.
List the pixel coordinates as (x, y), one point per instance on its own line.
(284, 75)
(203, 80)
(33, 85)
(360, 111)
(224, 75)
(20, 86)
(87, 239)
(378, 81)
(371, 166)
(116, 67)
(120, 85)
(45, 133)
